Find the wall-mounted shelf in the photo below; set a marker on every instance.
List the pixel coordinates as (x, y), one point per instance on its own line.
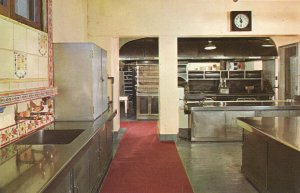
(9, 98)
(227, 74)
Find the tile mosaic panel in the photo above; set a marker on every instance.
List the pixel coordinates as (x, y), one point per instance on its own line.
(23, 128)
(20, 64)
(26, 96)
(43, 44)
(5, 136)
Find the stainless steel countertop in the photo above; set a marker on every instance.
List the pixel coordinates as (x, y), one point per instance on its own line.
(27, 176)
(285, 130)
(245, 105)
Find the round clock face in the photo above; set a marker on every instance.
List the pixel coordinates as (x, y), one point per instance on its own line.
(241, 21)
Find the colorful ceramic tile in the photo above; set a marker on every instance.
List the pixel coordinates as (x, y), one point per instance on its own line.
(43, 44)
(22, 128)
(5, 135)
(20, 64)
(14, 133)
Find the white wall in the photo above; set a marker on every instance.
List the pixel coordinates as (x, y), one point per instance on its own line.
(69, 20)
(190, 18)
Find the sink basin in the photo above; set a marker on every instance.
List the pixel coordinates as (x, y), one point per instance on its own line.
(51, 137)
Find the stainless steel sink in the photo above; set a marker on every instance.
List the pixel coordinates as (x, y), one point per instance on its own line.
(52, 137)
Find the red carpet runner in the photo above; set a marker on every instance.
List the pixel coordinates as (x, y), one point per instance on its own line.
(144, 165)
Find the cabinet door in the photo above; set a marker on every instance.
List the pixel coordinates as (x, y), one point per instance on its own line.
(254, 160)
(109, 139)
(94, 162)
(154, 105)
(103, 152)
(81, 174)
(143, 104)
(61, 184)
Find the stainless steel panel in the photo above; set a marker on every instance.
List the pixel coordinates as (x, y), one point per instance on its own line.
(80, 75)
(208, 125)
(274, 113)
(72, 76)
(232, 129)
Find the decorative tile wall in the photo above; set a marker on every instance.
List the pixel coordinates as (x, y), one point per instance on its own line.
(26, 74)
(23, 57)
(12, 125)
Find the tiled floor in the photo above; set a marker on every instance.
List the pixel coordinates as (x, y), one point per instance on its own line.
(214, 167)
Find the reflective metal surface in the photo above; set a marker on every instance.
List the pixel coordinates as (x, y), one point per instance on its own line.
(52, 137)
(245, 105)
(285, 130)
(27, 178)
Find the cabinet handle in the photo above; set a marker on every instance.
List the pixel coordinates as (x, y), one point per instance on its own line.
(76, 189)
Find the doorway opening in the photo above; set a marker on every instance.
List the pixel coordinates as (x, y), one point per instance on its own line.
(139, 79)
(288, 83)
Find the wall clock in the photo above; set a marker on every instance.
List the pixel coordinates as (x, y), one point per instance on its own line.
(240, 20)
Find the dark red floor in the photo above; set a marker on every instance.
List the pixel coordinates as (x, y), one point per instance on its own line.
(142, 164)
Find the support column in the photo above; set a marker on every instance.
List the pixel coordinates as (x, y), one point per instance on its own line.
(168, 94)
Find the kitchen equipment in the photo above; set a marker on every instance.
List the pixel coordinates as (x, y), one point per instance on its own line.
(249, 89)
(81, 78)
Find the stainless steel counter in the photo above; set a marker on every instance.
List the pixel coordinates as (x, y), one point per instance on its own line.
(285, 130)
(270, 157)
(31, 168)
(246, 105)
(216, 121)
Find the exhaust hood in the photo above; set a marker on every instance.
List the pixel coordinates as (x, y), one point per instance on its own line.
(142, 50)
(233, 48)
(197, 49)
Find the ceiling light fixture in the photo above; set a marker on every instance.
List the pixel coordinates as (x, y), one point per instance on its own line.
(268, 43)
(210, 46)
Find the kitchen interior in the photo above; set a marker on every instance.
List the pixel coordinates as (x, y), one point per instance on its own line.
(71, 76)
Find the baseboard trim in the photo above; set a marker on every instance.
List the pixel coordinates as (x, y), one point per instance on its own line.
(167, 137)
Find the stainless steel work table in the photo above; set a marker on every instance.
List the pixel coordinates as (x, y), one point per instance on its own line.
(271, 153)
(30, 175)
(216, 121)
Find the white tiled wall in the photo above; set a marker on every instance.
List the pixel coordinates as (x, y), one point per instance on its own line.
(6, 37)
(16, 37)
(19, 38)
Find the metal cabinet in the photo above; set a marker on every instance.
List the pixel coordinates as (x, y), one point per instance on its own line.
(85, 173)
(147, 107)
(62, 184)
(94, 162)
(254, 160)
(208, 125)
(80, 174)
(233, 131)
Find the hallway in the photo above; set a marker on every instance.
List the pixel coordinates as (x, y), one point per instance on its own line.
(210, 167)
(142, 164)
